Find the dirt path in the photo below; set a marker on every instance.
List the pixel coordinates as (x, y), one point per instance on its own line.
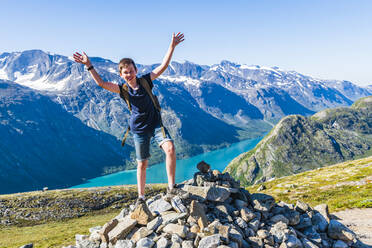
(359, 221)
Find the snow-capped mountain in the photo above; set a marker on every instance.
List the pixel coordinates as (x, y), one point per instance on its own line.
(204, 107)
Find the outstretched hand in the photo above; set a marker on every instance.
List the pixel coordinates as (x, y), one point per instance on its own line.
(82, 59)
(177, 39)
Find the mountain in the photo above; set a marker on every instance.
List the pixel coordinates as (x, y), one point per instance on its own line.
(299, 143)
(41, 144)
(204, 107)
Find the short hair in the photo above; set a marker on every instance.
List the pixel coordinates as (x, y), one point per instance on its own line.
(125, 62)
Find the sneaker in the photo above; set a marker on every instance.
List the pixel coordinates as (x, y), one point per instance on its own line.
(140, 201)
(173, 192)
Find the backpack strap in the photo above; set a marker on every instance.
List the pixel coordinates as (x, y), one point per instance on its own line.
(154, 99)
(125, 95)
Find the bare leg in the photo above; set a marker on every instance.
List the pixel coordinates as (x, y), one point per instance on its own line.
(141, 177)
(170, 162)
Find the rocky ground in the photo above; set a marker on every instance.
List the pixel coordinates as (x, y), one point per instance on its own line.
(40, 207)
(359, 221)
(211, 210)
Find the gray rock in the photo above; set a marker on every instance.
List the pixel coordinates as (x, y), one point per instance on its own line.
(162, 243)
(319, 222)
(124, 244)
(262, 202)
(305, 222)
(177, 205)
(175, 245)
(323, 210)
(210, 241)
(249, 232)
(80, 237)
(233, 245)
(140, 233)
(172, 217)
(95, 236)
(160, 206)
(302, 207)
(217, 193)
(308, 244)
(240, 204)
(336, 230)
(262, 187)
(123, 228)
(107, 228)
(279, 217)
(145, 243)
(255, 242)
(340, 244)
(247, 214)
(95, 229)
(235, 236)
(82, 241)
(293, 217)
(241, 223)
(286, 205)
(254, 224)
(263, 234)
(197, 212)
(245, 244)
(86, 243)
(27, 246)
(187, 244)
(280, 232)
(124, 212)
(203, 167)
(155, 223)
(177, 229)
(312, 235)
(293, 242)
(176, 239)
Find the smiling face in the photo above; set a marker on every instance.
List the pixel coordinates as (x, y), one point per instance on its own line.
(128, 73)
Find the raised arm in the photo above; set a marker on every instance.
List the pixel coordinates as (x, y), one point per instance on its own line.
(176, 39)
(83, 59)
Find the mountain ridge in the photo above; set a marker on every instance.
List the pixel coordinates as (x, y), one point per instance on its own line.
(299, 143)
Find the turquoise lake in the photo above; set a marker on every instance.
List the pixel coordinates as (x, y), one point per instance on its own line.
(185, 169)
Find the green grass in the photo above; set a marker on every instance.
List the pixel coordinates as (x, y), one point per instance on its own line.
(62, 233)
(341, 186)
(53, 234)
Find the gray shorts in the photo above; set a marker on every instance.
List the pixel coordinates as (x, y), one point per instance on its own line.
(142, 142)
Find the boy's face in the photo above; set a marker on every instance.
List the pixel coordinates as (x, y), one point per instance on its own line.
(128, 73)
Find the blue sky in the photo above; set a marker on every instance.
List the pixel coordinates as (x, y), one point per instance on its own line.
(324, 39)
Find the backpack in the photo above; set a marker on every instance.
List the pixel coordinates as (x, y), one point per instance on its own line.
(125, 95)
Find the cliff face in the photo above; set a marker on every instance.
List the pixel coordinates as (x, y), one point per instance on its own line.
(299, 143)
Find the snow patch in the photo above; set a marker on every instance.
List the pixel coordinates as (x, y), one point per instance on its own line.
(3, 74)
(181, 79)
(112, 70)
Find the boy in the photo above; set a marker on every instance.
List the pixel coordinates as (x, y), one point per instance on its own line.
(145, 119)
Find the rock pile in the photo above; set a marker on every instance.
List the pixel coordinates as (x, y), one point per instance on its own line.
(212, 210)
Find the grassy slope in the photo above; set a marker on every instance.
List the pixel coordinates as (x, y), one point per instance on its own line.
(62, 233)
(341, 186)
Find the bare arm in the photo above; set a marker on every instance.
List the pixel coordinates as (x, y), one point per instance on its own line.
(83, 59)
(176, 39)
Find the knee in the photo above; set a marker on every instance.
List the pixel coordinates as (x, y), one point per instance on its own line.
(170, 150)
(142, 165)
